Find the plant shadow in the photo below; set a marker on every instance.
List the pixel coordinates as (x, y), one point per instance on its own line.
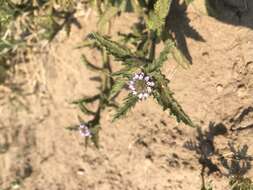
(178, 27)
(237, 120)
(236, 162)
(204, 145)
(235, 12)
(204, 148)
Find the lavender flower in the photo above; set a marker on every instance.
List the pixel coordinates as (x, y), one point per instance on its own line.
(141, 85)
(84, 131)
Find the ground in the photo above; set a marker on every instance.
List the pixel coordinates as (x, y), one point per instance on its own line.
(147, 149)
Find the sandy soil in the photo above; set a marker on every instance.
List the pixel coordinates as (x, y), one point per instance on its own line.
(145, 150)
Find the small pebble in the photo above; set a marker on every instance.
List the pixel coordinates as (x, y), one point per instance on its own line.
(219, 88)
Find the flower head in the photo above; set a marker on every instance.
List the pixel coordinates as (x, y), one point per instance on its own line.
(84, 131)
(141, 85)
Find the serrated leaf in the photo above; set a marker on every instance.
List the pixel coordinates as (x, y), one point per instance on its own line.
(157, 64)
(109, 13)
(167, 101)
(161, 78)
(154, 22)
(129, 102)
(156, 19)
(112, 47)
(119, 51)
(117, 87)
(180, 58)
(162, 8)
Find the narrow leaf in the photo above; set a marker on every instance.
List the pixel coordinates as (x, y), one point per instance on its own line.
(89, 65)
(158, 63)
(95, 135)
(180, 58)
(156, 19)
(86, 99)
(167, 101)
(162, 8)
(109, 13)
(112, 47)
(117, 87)
(85, 110)
(161, 78)
(130, 102)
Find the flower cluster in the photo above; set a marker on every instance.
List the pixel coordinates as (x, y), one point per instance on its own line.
(141, 85)
(84, 131)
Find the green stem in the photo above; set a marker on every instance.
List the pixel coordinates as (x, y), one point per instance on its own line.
(152, 37)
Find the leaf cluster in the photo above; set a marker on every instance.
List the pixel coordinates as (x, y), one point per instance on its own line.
(143, 38)
(132, 63)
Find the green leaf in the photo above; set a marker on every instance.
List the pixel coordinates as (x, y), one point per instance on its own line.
(153, 22)
(72, 128)
(161, 78)
(89, 65)
(156, 19)
(180, 58)
(109, 13)
(117, 50)
(92, 67)
(162, 8)
(129, 102)
(87, 99)
(9, 45)
(167, 101)
(125, 72)
(85, 110)
(158, 63)
(95, 134)
(117, 87)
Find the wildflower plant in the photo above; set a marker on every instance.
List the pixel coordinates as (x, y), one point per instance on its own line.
(141, 71)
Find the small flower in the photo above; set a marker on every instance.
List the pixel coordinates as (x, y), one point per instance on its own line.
(146, 78)
(84, 131)
(131, 87)
(136, 76)
(141, 85)
(134, 93)
(140, 96)
(149, 90)
(150, 83)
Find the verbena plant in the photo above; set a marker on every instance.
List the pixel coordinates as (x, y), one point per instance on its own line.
(141, 70)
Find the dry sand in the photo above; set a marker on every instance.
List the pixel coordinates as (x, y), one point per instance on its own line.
(146, 150)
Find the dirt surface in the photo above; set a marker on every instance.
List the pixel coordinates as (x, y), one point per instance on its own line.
(147, 149)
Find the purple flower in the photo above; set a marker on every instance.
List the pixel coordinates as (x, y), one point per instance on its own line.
(84, 131)
(141, 85)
